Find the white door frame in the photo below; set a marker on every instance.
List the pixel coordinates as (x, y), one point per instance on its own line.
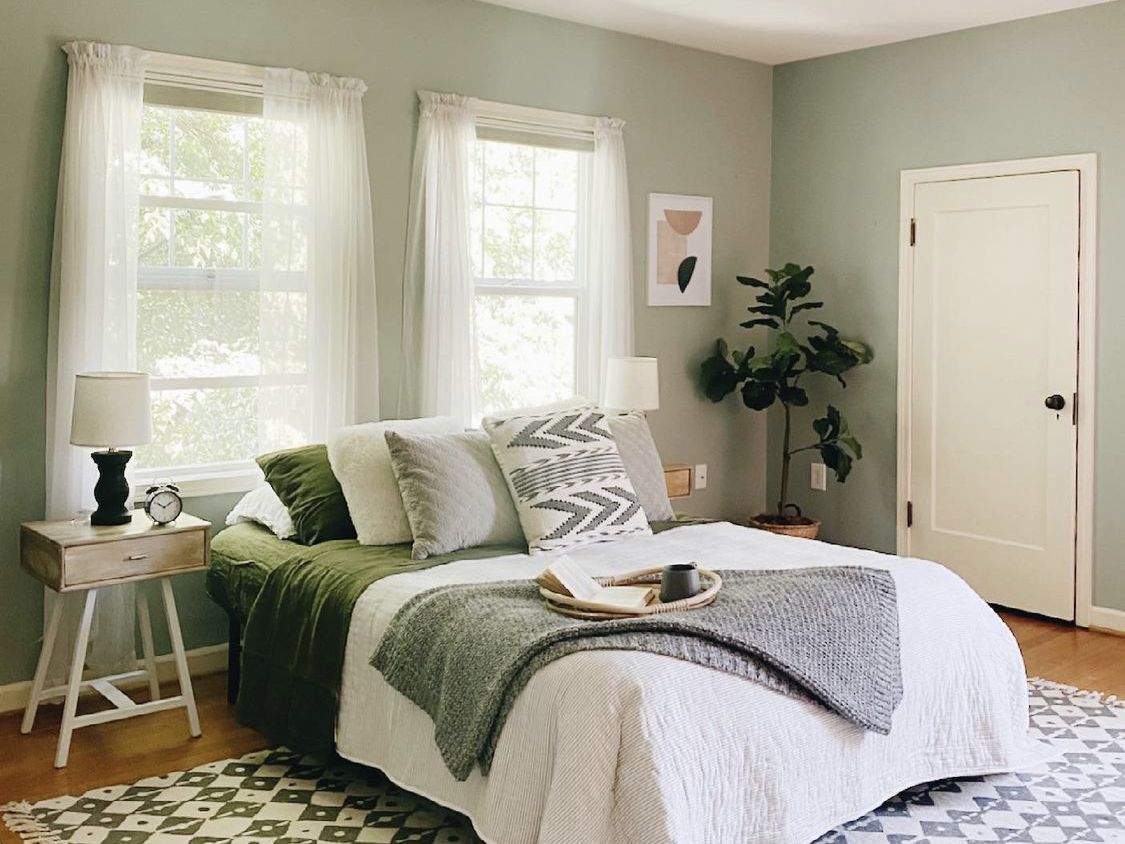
(1087, 166)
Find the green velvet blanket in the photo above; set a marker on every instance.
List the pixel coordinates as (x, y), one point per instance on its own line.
(296, 631)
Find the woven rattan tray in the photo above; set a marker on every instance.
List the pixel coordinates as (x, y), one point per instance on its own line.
(575, 608)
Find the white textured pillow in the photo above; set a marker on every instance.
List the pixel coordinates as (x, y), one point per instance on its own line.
(362, 464)
(262, 505)
(566, 477)
(642, 462)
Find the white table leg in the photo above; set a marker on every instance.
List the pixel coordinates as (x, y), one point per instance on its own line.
(145, 621)
(45, 652)
(179, 656)
(78, 660)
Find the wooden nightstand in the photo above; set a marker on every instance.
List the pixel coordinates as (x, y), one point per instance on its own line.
(70, 557)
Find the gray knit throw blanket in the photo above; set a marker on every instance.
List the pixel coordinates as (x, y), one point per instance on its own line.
(464, 653)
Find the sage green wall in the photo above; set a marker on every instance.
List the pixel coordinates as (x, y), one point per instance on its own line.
(697, 123)
(844, 126)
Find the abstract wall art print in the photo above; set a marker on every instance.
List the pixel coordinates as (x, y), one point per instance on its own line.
(679, 249)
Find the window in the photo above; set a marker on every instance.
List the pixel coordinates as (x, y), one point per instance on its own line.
(202, 315)
(526, 245)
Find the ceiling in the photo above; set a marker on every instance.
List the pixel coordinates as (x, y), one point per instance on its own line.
(777, 31)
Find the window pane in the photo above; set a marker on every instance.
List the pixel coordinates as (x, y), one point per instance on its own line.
(283, 245)
(525, 350)
(284, 333)
(193, 333)
(209, 145)
(208, 239)
(555, 245)
(201, 426)
(156, 141)
(507, 242)
(476, 232)
(508, 171)
(556, 178)
(153, 236)
(198, 426)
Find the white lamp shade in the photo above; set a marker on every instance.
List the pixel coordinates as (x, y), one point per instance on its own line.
(111, 410)
(631, 384)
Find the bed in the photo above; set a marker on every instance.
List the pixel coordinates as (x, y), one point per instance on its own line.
(665, 751)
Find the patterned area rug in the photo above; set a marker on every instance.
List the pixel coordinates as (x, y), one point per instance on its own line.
(277, 796)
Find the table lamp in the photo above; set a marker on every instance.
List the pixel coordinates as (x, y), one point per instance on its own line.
(111, 410)
(631, 384)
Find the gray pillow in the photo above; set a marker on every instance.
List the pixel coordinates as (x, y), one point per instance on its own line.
(642, 464)
(453, 492)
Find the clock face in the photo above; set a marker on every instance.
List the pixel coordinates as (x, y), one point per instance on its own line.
(165, 506)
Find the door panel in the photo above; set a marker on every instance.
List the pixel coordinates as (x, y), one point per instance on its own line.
(995, 331)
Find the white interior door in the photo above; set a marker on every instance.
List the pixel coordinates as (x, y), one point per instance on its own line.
(994, 345)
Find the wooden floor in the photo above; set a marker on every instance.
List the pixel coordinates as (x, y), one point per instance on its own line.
(130, 750)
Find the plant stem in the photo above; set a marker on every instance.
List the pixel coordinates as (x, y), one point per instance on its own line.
(785, 455)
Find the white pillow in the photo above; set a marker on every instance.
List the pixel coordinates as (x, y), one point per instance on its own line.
(261, 505)
(642, 462)
(566, 477)
(362, 464)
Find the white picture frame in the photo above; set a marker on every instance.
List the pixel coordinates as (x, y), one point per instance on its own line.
(679, 230)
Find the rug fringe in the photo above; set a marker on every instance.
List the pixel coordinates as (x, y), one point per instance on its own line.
(1112, 701)
(20, 820)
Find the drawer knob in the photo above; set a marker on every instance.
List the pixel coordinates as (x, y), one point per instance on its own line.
(137, 557)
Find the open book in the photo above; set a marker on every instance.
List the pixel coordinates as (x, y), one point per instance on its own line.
(566, 577)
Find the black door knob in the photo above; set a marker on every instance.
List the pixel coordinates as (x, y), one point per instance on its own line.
(1055, 402)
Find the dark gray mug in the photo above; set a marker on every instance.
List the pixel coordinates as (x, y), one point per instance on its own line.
(677, 581)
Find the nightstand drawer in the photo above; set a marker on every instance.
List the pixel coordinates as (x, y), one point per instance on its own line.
(130, 558)
(677, 479)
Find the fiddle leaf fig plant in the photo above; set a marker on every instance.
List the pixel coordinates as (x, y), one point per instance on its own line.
(775, 376)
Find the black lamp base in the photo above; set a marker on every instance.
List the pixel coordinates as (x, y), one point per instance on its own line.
(112, 490)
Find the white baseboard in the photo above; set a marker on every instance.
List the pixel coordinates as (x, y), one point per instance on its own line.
(206, 660)
(1104, 618)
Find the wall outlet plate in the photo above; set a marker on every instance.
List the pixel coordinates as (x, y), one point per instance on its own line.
(700, 476)
(818, 476)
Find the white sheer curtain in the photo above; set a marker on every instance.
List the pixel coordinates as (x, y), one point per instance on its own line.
(93, 303)
(437, 308)
(607, 266)
(319, 346)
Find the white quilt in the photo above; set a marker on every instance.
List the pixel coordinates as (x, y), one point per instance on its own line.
(620, 747)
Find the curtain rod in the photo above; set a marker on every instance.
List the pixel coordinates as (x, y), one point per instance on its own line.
(530, 119)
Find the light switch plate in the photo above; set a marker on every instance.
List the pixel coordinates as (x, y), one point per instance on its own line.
(818, 476)
(701, 476)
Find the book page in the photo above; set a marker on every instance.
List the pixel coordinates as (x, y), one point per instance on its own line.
(572, 578)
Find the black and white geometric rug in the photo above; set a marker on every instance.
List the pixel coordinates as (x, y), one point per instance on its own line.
(277, 796)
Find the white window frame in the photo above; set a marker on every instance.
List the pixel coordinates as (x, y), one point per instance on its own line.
(525, 125)
(190, 72)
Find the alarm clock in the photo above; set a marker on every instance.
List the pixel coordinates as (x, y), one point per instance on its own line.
(163, 503)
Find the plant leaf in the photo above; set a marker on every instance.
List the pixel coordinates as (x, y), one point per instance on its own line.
(751, 282)
(795, 396)
(758, 395)
(806, 306)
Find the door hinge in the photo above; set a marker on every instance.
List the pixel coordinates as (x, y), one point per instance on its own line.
(909, 513)
(1074, 409)
(913, 231)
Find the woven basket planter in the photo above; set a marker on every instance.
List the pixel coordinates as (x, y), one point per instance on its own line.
(804, 529)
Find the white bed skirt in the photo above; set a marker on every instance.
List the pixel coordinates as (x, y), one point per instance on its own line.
(618, 747)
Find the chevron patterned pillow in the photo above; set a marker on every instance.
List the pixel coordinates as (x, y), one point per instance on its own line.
(566, 477)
